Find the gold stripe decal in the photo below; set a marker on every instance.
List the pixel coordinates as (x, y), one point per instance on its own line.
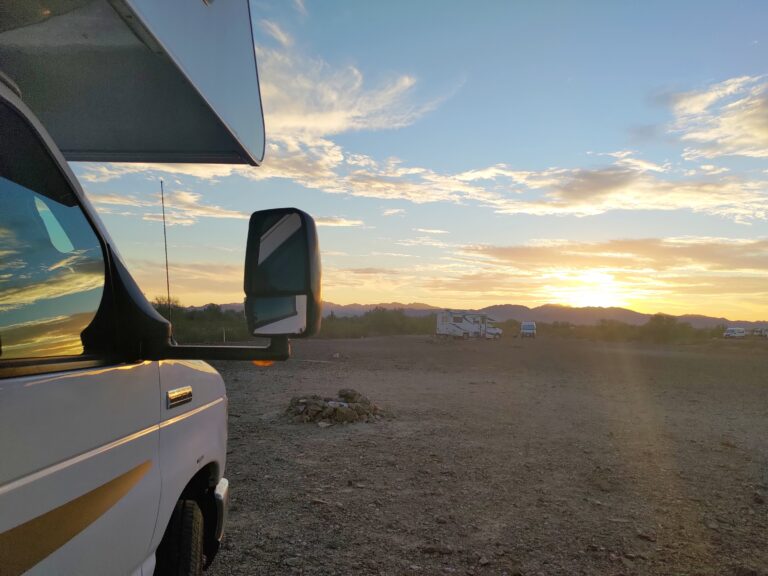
(27, 544)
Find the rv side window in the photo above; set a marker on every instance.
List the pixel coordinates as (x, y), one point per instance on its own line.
(457, 319)
(51, 261)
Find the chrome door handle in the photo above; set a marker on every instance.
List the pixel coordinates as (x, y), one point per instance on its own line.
(178, 396)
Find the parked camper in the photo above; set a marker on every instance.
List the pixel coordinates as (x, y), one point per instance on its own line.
(113, 438)
(734, 332)
(459, 324)
(528, 330)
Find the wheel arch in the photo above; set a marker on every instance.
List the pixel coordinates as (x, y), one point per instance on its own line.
(200, 488)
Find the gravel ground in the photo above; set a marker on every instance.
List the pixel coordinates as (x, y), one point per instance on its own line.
(510, 457)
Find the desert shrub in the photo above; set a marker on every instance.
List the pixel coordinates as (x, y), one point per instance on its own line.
(207, 325)
(659, 329)
(376, 322)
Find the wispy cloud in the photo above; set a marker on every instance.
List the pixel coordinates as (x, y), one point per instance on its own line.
(338, 222)
(729, 118)
(301, 8)
(276, 32)
(393, 212)
(181, 207)
(713, 170)
(430, 231)
(686, 274)
(198, 283)
(309, 102)
(306, 96)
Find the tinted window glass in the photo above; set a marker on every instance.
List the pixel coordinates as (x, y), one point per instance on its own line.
(51, 261)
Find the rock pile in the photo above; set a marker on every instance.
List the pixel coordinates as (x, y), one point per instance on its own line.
(350, 406)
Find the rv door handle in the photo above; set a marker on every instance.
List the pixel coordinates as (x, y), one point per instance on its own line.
(178, 396)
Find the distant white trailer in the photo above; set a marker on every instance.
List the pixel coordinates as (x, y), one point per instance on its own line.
(734, 332)
(466, 325)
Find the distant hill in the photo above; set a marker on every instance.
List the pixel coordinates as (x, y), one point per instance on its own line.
(547, 313)
(413, 309)
(557, 313)
(593, 314)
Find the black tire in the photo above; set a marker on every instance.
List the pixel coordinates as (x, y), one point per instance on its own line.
(181, 550)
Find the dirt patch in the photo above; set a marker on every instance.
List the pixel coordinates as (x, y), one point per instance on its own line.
(508, 457)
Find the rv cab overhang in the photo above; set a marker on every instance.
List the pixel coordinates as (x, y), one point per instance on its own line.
(138, 80)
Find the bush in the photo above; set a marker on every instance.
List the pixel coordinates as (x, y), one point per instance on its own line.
(376, 322)
(659, 329)
(208, 325)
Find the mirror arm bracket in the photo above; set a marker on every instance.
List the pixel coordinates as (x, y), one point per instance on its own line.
(279, 349)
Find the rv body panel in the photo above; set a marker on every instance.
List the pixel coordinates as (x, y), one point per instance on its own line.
(65, 438)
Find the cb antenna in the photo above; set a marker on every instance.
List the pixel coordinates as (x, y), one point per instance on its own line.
(165, 241)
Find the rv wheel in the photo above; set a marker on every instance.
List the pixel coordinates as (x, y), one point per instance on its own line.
(181, 551)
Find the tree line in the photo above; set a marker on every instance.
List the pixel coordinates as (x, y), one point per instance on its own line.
(208, 325)
(212, 324)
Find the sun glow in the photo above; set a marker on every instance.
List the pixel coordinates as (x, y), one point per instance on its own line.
(591, 288)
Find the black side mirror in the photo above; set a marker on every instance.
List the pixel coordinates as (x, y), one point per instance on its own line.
(282, 274)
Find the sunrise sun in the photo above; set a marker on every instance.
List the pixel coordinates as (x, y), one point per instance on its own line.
(591, 288)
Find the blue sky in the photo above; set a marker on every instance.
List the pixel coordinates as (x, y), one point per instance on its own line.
(465, 154)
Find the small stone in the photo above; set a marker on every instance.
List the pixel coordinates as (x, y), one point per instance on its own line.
(484, 561)
(758, 498)
(628, 563)
(324, 424)
(647, 536)
(292, 561)
(436, 549)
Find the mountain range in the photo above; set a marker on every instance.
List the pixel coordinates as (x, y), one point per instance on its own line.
(547, 313)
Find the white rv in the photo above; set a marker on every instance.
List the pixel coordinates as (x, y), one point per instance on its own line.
(466, 325)
(113, 438)
(735, 332)
(528, 330)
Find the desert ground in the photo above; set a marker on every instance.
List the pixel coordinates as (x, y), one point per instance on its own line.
(508, 457)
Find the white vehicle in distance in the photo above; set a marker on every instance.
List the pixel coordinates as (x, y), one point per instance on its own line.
(528, 330)
(492, 332)
(466, 325)
(734, 332)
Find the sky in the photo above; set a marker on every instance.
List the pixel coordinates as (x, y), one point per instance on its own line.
(464, 154)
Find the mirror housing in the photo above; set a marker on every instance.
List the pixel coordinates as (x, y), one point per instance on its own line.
(282, 274)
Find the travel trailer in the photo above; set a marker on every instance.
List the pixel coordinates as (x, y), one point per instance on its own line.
(458, 324)
(735, 332)
(114, 438)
